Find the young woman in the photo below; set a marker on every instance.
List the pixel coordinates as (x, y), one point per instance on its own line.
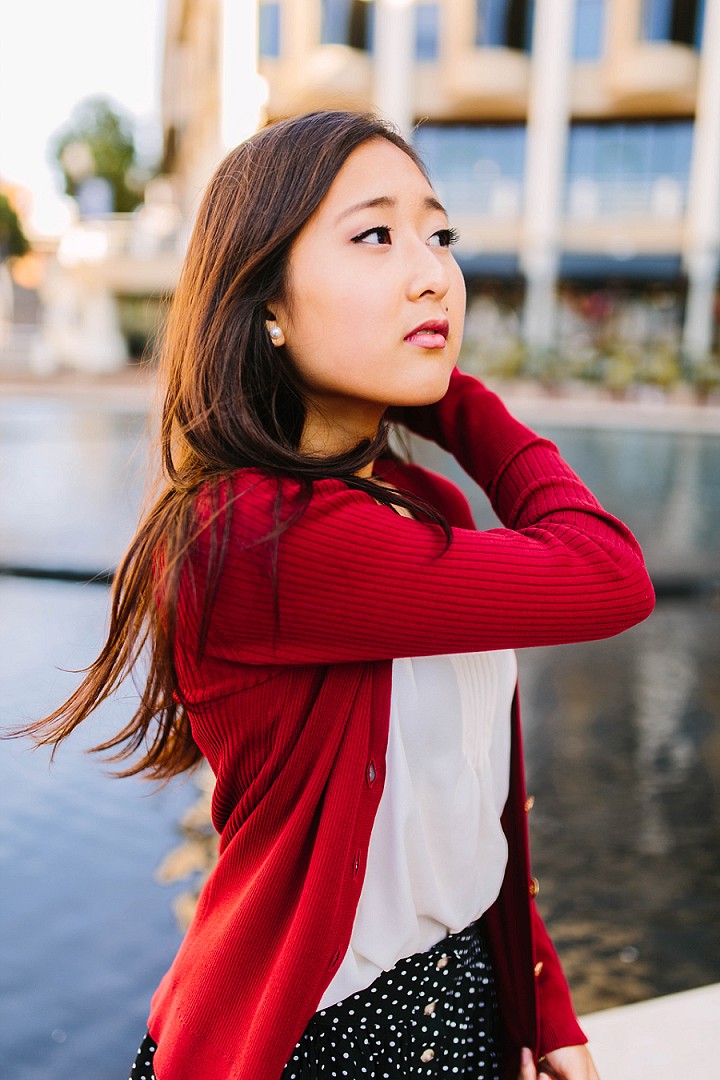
(324, 625)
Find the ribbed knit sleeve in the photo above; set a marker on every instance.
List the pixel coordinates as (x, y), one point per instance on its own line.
(557, 1024)
(356, 581)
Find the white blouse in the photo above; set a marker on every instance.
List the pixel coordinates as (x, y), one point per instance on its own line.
(437, 852)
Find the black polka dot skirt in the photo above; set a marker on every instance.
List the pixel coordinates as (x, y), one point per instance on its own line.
(433, 1014)
(143, 1066)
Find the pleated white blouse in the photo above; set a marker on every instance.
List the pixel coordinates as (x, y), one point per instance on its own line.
(437, 852)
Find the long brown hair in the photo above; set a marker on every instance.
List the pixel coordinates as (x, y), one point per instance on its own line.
(232, 400)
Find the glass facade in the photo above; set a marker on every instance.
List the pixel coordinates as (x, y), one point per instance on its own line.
(630, 169)
(348, 22)
(657, 20)
(673, 20)
(699, 23)
(504, 24)
(269, 29)
(589, 29)
(476, 170)
(427, 31)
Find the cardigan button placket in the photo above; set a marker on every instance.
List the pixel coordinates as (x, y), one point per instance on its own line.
(534, 887)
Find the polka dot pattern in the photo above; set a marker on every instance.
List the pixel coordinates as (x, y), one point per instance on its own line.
(143, 1066)
(432, 1015)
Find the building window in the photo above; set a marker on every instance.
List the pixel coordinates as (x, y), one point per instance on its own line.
(628, 170)
(699, 24)
(589, 31)
(476, 170)
(348, 22)
(427, 31)
(504, 24)
(269, 29)
(673, 20)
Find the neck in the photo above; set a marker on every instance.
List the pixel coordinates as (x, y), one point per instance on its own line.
(326, 435)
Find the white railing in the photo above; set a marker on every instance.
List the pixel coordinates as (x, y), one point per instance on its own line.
(20, 349)
(499, 197)
(150, 231)
(586, 199)
(661, 197)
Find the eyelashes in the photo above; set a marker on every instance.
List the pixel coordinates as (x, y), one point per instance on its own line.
(447, 237)
(444, 237)
(382, 232)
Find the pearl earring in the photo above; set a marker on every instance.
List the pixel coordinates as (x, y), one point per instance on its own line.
(276, 333)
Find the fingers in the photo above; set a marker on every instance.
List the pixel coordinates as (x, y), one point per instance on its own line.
(527, 1065)
(568, 1063)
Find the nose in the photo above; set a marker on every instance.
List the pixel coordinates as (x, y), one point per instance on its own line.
(428, 271)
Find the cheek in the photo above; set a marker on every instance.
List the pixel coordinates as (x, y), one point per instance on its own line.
(341, 317)
(458, 292)
(324, 301)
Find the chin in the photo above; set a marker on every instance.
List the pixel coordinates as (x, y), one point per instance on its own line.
(426, 391)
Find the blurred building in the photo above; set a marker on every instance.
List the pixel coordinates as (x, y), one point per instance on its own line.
(575, 143)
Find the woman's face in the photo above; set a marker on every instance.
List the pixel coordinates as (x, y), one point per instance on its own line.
(375, 300)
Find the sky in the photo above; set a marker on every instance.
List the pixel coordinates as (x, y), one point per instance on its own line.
(54, 53)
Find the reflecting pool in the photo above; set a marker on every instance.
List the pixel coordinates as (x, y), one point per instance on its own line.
(622, 747)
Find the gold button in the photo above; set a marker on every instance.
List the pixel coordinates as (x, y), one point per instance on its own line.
(442, 962)
(534, 887)
(538, 968)
(529, 803)
(429, 1009)
(427, 1055)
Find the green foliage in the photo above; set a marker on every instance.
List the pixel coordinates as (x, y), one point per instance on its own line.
(704, 375)
(13, 240)
(99, 141)
(619, 368)
(661, 367)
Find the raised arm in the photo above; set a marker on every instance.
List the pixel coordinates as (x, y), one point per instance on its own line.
(357, 581)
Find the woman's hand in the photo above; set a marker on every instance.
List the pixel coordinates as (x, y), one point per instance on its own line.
(566, 1063)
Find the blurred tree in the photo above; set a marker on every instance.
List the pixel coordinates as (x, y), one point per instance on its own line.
(13, 240)
(99, 144)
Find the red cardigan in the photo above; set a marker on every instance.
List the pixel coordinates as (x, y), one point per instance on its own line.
(290, 701)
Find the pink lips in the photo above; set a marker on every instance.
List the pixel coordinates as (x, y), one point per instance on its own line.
(430, 335)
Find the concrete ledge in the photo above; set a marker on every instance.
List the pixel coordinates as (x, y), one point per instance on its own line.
(668, 1038)
(134, 386)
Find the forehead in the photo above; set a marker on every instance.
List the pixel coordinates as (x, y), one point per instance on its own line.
(376, 169)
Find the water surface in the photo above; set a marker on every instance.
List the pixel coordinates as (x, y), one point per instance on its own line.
(622, 746)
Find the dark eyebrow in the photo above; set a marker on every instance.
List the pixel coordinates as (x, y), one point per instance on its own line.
(429, 203)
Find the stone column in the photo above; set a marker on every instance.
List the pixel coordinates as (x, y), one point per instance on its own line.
(702, 225)
(81, 326)
(394, 54)
(548, 116)
(243, 92)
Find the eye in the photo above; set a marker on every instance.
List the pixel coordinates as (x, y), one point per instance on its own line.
(444, 238)
(375, 237)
